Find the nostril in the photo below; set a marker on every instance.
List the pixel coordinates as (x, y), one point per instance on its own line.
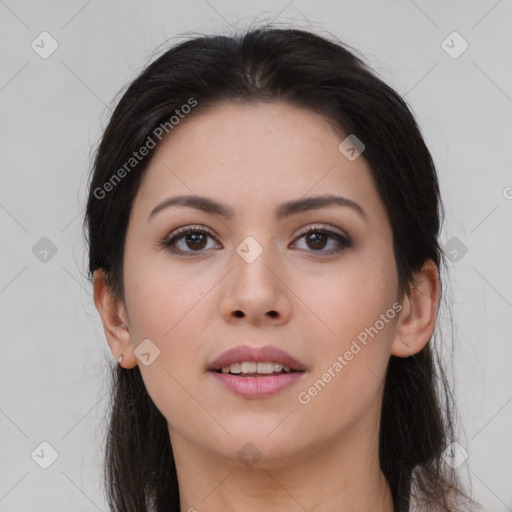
(239, 314)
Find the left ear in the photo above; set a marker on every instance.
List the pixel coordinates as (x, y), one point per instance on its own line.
(418, 316)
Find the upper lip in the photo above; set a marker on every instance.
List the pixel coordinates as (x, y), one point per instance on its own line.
(267, 353)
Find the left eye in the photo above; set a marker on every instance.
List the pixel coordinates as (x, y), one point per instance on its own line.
(196, 240)
(317, 239)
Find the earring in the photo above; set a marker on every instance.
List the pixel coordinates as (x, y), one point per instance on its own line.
(120, 358)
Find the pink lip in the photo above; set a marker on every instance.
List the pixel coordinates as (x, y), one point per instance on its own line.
(257, 387)
(257, 354)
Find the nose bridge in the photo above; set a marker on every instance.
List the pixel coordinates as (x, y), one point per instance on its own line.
(255, 287)
(253, 261)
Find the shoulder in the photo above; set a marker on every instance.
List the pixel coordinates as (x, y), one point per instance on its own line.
(459, 506)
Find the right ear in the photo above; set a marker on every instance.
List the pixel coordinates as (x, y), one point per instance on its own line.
(115, 320)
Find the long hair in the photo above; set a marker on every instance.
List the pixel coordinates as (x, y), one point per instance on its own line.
(268, 64)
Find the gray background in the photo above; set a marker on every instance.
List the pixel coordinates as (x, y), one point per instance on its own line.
(54, 354)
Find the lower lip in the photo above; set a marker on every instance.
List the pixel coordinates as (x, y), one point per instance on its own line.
(257, 387)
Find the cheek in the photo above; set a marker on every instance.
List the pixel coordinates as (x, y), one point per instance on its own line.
(161, 301)
(349, 373)
(173, 309)
(353, 310)
(347, 297)
(167, 308)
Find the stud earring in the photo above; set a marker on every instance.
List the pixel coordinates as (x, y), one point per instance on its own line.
(120, 359)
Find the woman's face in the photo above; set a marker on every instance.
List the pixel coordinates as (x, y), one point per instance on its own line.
(253, 279)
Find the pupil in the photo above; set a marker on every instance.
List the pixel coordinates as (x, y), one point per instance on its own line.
(317, 238)
(194, 238)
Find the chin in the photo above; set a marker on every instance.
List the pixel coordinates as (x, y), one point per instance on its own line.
(254, 446)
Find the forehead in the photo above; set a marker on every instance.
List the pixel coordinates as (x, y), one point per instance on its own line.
(249, 154)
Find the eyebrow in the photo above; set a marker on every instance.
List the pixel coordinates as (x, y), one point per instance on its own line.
(287, 209)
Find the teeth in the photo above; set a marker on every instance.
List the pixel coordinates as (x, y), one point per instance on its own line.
(252, 367)
(249, 367)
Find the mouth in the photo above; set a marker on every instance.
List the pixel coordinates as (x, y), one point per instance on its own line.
(256, 369)
(245, 360)
(256, 372)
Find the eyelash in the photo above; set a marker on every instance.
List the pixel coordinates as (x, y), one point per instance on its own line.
(344, 242)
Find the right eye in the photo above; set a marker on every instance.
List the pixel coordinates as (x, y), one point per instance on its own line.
(193, 238)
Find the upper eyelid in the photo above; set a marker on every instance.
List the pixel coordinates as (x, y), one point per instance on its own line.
(182, 231)
(323, 227)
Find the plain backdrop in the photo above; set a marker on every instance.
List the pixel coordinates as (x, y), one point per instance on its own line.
(54, 356)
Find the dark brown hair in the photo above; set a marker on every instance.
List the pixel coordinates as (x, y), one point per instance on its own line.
(263, 65)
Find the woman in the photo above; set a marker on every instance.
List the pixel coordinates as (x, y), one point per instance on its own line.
(263, 223)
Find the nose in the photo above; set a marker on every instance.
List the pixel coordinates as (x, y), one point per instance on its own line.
(256, 291)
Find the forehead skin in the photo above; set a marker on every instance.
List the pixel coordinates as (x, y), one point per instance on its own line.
(246, 152)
